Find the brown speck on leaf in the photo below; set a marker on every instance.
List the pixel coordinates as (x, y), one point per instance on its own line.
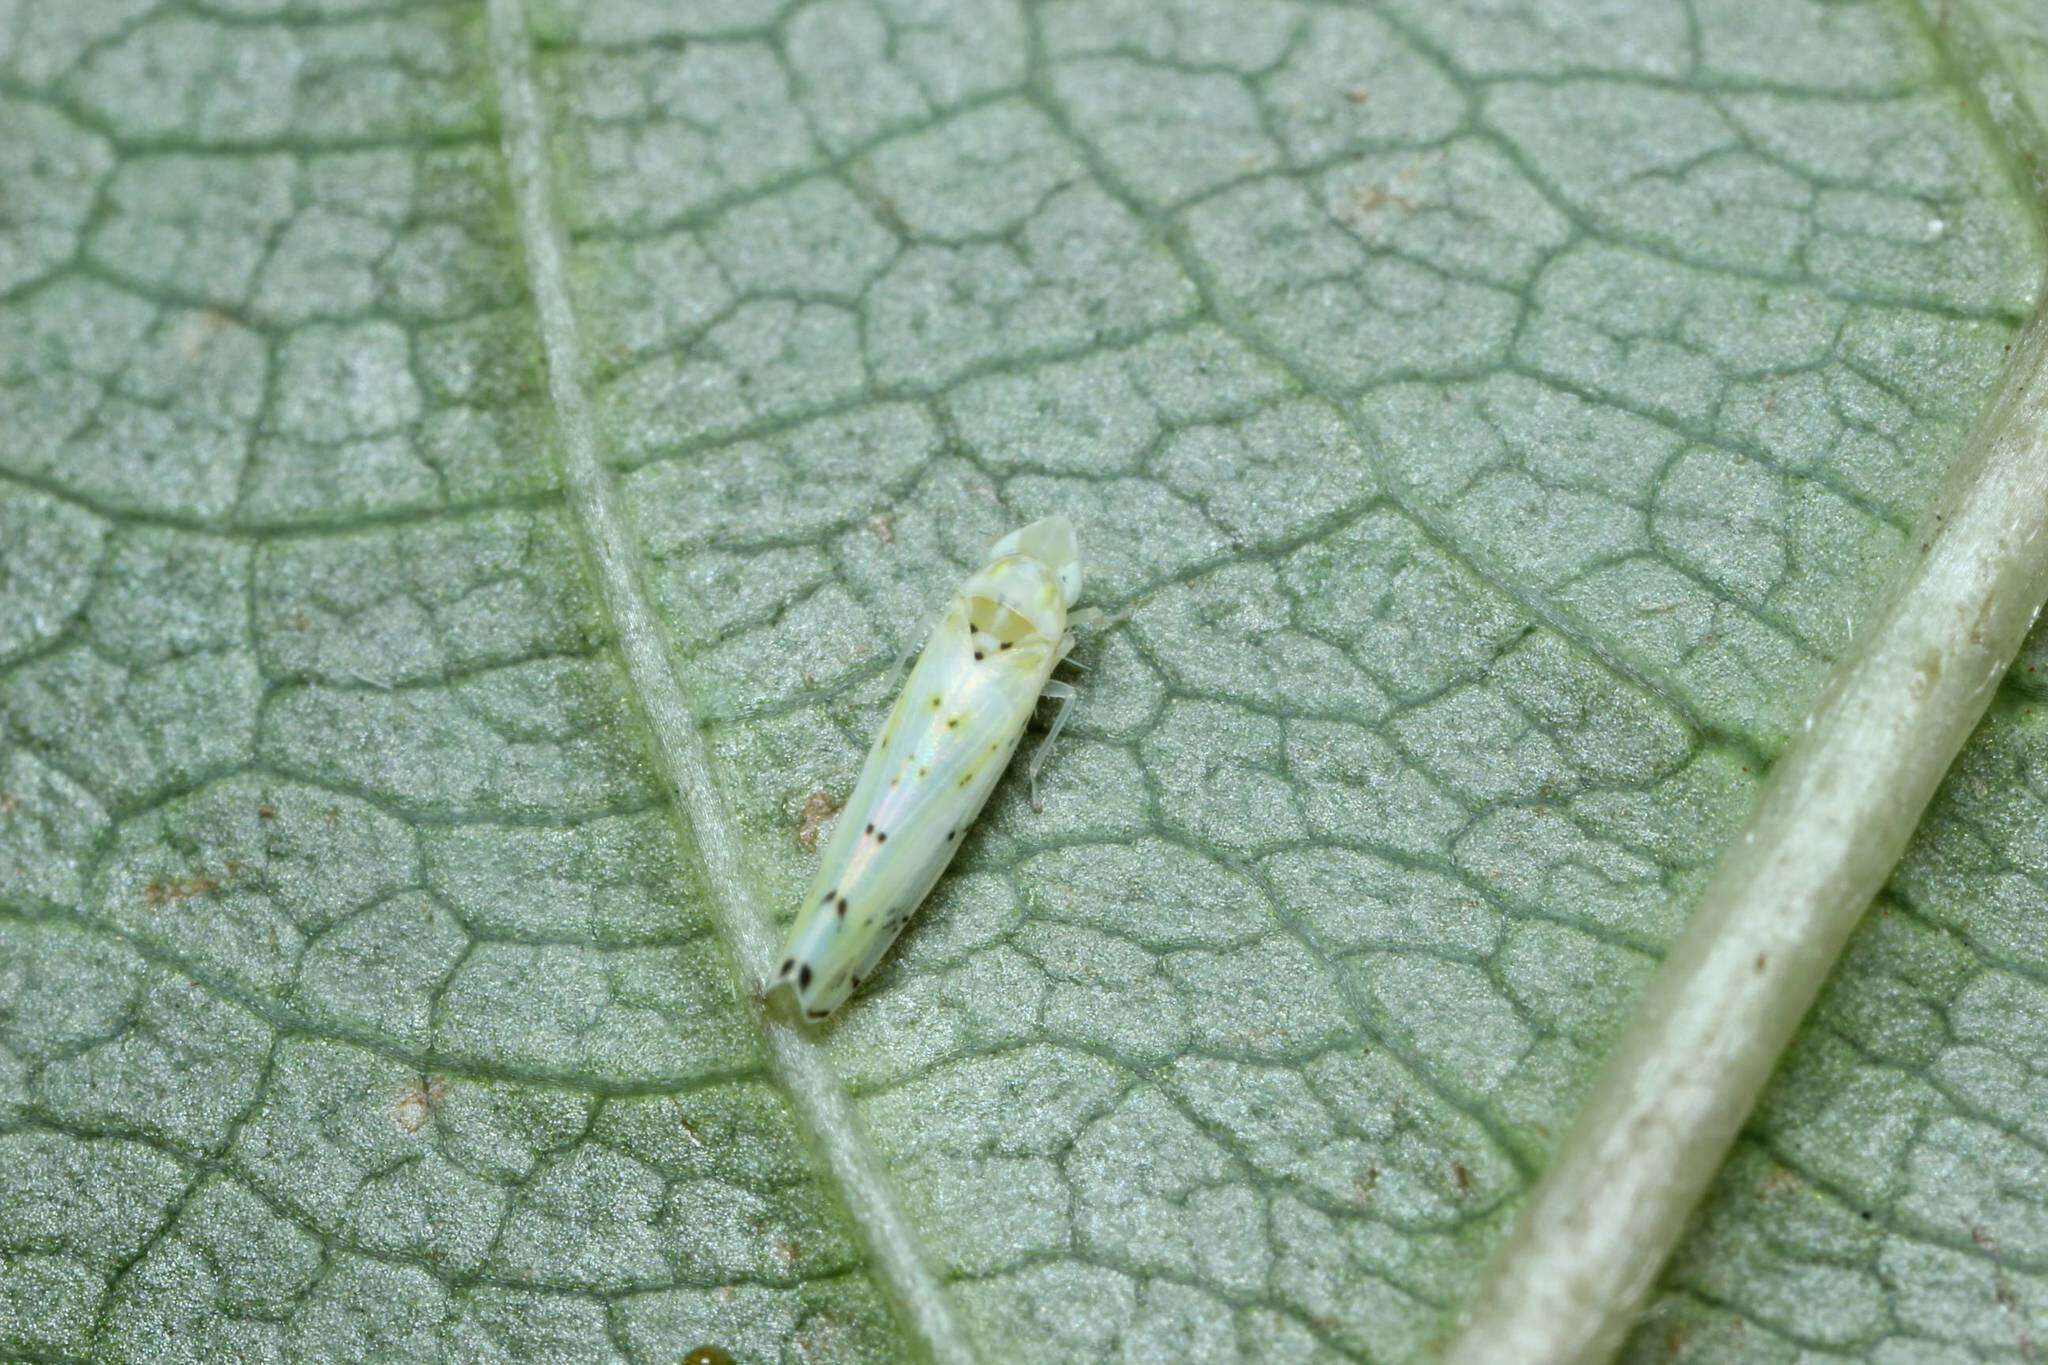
(883, 524)
(164, 890)
(2001, 1287)
(683, 1121)
(7, 803)
(418, 1103)
(1358, 94)
(891, 216)
(1366, 1183)
(1371, 199)
(266, 811)
(819, 808)
(298, 620)
(333, 814)
(198, 329)
(789, 1250)
(1461, 1176)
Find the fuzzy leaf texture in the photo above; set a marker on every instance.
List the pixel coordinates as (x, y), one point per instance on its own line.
(466, 473)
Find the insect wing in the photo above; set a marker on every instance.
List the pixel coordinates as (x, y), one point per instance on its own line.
(946, 742)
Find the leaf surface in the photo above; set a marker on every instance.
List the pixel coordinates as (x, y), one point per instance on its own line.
(468, 475)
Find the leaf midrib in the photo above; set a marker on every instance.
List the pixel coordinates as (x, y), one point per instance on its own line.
(1569, 1281)
(824, 1109)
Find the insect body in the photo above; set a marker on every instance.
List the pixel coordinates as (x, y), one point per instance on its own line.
(947, 740)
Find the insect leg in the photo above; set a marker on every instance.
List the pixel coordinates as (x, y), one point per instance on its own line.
(1064, 694)
(896, 669)
(910, 651)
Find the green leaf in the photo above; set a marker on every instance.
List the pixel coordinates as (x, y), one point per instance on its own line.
(466, 475)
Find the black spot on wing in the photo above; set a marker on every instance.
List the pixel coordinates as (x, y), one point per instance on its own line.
(803, 977)
(788, 966)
